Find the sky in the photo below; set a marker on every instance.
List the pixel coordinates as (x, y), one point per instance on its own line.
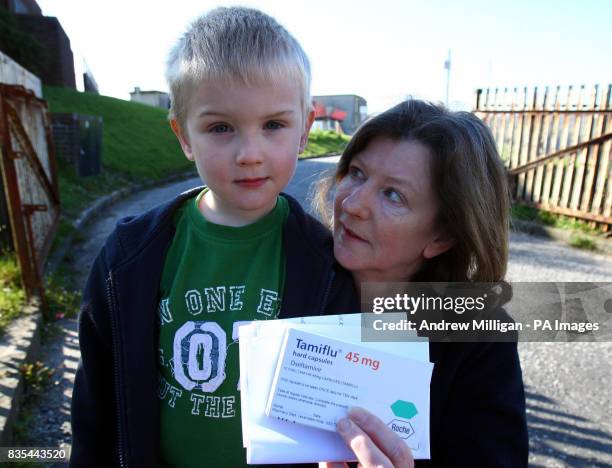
(382, 50)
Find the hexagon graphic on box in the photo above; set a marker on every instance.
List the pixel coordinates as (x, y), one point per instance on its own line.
(404, 409)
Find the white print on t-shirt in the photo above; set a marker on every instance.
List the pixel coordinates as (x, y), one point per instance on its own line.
(213, 406)
(236, 293)
(217, 299)
(199, 351)
(199, 348)
(193, 301)
(202, 405)
(164, 312)
(166, 389)
(267, 302)
(204, 356)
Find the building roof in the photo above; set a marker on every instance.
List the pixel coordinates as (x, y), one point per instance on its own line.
(321, 112)
(139, 91)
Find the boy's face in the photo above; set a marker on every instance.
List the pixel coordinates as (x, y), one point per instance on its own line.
(244, 141)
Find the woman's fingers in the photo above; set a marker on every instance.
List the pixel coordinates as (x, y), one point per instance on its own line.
(366, 451)
(384, 438)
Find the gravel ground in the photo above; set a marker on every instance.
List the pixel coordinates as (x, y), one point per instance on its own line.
(569, 390)
(568, 385)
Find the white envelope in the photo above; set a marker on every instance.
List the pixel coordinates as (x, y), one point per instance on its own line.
(269, 440)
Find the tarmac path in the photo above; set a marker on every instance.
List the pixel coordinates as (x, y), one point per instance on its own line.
(569, 385)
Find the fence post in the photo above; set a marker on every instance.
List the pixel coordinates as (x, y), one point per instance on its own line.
(6, 239)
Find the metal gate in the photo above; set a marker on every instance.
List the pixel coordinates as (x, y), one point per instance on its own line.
(29, 177)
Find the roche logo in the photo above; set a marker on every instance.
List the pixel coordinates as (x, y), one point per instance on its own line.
(402, 428)
(403, 409)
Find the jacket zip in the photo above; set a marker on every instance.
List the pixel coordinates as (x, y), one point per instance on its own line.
(109, 298)
(327, 291)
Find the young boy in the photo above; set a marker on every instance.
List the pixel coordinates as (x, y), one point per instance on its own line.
(158, 380)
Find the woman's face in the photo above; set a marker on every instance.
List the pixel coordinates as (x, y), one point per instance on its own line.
(384, 212)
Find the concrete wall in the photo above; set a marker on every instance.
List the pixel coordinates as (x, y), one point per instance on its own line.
(13, 73)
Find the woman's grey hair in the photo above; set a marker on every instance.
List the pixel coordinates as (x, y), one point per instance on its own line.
(234, 43)
(468, 177)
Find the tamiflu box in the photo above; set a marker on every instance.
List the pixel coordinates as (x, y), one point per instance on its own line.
(318, 379)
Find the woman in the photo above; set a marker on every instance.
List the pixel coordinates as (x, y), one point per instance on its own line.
(421, 195)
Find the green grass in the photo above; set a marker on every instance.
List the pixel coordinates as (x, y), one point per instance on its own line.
(63, 299)
(524, 213)
(137, 139)
(527, 213)
(12, 296)
(324, 142)
(582, 242)
(36, 378)
(76, 193)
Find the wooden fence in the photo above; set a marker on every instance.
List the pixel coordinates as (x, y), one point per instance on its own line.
(556, 143)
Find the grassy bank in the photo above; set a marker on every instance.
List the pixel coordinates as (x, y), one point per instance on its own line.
(137, 145)
(324, 142)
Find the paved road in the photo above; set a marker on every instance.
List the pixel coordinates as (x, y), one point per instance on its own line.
(569, 385)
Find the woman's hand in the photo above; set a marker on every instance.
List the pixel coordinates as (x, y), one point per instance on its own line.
(374, 444)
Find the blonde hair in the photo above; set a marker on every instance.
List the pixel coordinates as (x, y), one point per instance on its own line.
(235, 43)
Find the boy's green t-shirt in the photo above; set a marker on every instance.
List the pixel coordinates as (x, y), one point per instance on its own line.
(213, 277)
